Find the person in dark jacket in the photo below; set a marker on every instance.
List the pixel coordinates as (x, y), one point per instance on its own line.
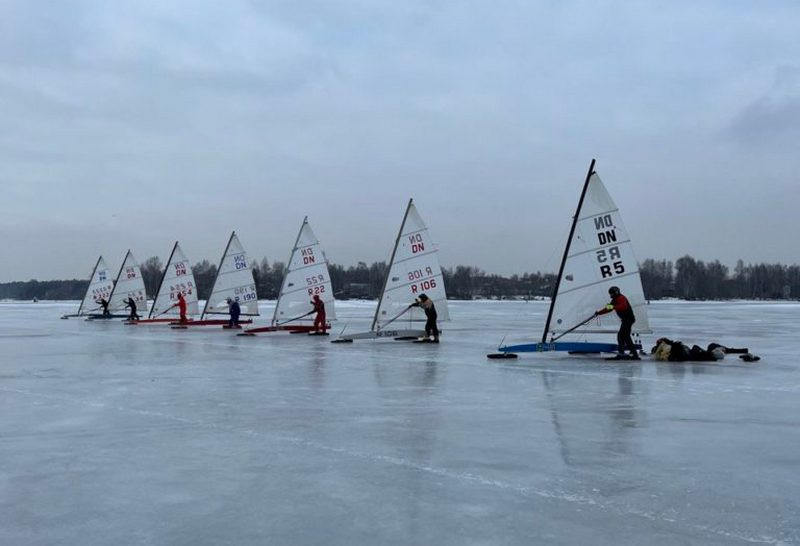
(622, 306)
(319, 309)
(234, 310)
(132, 304)
(102, 302)
(430, 314)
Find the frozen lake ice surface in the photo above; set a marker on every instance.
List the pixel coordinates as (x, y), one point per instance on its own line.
(115, 434)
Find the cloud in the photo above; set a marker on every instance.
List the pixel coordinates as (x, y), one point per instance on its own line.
(774, 117)
(187, 119)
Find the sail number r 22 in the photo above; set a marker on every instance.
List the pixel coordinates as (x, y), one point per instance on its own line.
(315, 285)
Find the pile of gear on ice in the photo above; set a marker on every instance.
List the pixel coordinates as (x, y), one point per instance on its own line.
(667, 350)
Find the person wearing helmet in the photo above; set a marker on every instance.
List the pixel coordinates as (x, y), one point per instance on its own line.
(430, 314)
(622, 306)
(319, 309)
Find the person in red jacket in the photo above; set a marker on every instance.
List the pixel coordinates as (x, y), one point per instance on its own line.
(622, 306)
(182, 307)
(319, 308)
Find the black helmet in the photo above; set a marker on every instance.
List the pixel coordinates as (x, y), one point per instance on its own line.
(423, 297)
(613, 291)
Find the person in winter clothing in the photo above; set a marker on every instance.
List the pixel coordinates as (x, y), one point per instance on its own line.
(182, 308)
(132, 304)
(319, 319)
(622, 306)
(102, 302)
(234, 310)
(429, 308)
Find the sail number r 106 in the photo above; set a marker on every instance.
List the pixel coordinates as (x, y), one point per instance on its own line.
(420, 287)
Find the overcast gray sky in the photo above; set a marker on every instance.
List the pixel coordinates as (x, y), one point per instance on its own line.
(133, 124)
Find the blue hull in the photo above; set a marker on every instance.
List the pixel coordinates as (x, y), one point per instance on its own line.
(569, 346)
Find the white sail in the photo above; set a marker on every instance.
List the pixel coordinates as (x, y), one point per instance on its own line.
(413, 270)
(176, 279)
(600, 256)
(234, 280)
(100, 286)
(129, 284)
(306, 276)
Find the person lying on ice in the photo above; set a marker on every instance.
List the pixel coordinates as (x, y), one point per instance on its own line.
(622, 306)
(319, 309)
(430, 313)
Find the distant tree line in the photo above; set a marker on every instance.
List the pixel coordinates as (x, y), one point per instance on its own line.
(692, 279)
(687, 278)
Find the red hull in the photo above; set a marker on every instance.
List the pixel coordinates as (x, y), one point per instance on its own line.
(285, 328)
(207, 322)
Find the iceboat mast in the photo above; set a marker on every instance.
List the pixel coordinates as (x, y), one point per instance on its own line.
(286, 272)
(216, 275)
(391, 262)
(161, 282)
(566, 252)
(119, 274)
(91, 278)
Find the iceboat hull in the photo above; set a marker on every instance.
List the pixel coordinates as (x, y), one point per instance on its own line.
(299, 328)
(560, 346)
(383, 334)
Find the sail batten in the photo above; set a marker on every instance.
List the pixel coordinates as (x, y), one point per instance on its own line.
(592, 250)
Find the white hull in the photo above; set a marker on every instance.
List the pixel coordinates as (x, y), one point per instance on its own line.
(388, 333)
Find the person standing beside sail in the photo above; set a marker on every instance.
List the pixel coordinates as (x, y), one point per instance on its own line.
(319, 309)
(429, 308)
(622, 306)
(182, 308)
(132, 304)
(234, 310)
(102, 302)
